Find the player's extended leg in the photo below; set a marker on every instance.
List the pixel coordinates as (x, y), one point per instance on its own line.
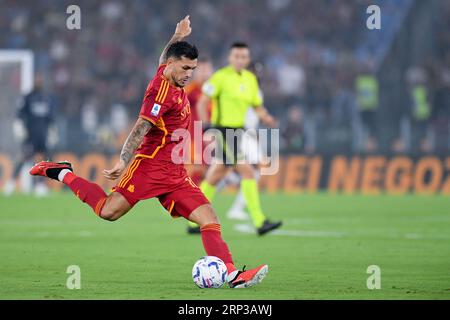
(115, 207)
(110, 207)
(214, 245)
(214, 174)
(205, 217)
(249, 187)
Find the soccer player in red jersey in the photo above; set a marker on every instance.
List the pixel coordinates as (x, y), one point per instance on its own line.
(147, 154)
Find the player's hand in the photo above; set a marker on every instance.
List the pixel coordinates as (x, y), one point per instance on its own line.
(183, 28)
(270, 121)
(115, 172)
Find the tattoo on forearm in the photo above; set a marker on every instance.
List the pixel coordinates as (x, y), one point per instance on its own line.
(134, 139)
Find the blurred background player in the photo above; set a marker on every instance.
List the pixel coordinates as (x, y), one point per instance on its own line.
(367, 101)
(233, 90)
(34, 127)
(194, 91)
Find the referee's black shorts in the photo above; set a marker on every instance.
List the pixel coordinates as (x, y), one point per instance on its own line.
(30, 147)
(229, 145)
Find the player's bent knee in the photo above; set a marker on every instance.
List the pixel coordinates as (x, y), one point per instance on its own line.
(115, 207)
(204, 215)
(107, 215)
(209, 217)
(211, 220)
(110, 214)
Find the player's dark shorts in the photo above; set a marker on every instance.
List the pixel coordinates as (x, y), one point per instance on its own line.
(32, 146)
(147, 178)
(229, 149)
(368, 118)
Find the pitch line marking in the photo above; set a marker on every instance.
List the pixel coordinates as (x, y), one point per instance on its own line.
(246, 228)
(249, 229)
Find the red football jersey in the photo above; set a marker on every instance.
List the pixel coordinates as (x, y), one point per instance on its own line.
(167, 108)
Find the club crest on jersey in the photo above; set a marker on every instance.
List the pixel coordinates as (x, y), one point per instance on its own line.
(155, 109)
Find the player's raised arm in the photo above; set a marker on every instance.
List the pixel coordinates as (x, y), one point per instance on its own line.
(182, 30)
(140, 129)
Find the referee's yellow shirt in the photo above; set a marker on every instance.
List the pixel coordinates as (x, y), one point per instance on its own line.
(232, 94)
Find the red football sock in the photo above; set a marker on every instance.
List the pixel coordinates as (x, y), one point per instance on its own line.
(215, 246)
(88, 192)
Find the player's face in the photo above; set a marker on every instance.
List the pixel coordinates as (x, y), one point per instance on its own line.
(239, 58)
(181, 70)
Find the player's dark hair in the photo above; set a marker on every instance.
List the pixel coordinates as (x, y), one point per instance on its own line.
(238, 45)
(182, 49)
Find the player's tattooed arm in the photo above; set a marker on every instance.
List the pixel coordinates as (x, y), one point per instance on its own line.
(140, 129)
(134, 139)
(182, 30)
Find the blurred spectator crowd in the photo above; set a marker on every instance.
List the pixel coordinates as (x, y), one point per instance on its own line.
(319, 61)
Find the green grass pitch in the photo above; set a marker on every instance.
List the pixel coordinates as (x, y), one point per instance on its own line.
(322, 252)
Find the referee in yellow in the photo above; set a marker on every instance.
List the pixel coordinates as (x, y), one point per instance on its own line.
(233, 90)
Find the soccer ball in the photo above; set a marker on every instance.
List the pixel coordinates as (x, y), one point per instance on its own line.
(209, 272)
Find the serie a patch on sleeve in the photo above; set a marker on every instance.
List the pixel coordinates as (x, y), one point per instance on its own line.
(155, 109)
